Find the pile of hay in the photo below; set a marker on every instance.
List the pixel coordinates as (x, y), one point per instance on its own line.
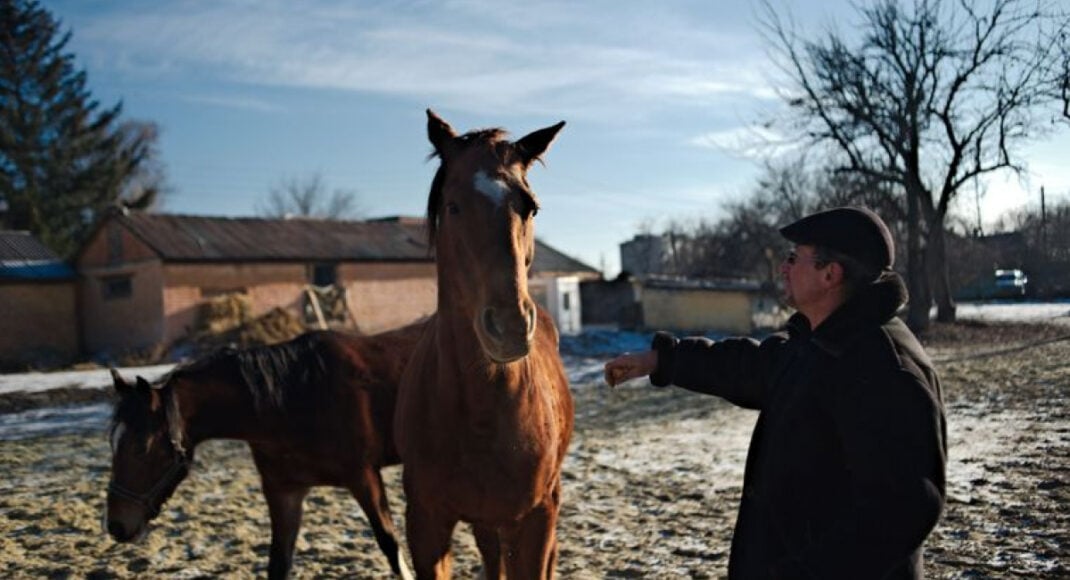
(276, 325)
(226, 320)
(225, 312)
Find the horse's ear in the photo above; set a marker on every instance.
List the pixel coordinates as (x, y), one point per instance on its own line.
(142, 384)
(533, 145)
(439, 132)
(121, 386)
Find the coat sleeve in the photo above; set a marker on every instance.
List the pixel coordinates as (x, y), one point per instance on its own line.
(892, 434)
(737, 369)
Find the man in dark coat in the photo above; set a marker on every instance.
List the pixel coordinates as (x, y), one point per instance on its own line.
(845, 472)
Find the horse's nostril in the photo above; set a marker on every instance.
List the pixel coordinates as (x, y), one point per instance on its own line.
(489, 324)
(531, 321)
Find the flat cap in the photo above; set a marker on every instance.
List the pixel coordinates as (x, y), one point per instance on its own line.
(855, 231)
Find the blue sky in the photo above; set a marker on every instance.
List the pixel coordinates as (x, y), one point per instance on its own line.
(249, 93)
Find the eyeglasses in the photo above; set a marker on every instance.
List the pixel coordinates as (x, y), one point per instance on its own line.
(793, 257)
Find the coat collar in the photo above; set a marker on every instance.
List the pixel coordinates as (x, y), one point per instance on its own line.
(871, 306)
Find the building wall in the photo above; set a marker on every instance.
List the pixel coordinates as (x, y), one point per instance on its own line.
(611, 302)
(38, 323)
(561, 298)
(384, 295)
(112, 245)
(646, 254)
(116, 324)
(268, 286)
(381, 296)
(697, 310)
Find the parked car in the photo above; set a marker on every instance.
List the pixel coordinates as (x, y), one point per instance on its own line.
(1009, 284)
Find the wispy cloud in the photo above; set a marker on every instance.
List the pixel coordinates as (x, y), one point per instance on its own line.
(749, 142)
(584, 59)
(247, 104)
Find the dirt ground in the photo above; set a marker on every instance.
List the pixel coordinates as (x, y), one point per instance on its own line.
(651, 486)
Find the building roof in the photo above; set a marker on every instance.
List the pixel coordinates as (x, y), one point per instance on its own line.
(23, 257)
(186, 238)
(549, 260)
(679, 283)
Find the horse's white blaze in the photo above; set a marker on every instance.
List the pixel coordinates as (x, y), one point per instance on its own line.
(116, 436)
(494, 189)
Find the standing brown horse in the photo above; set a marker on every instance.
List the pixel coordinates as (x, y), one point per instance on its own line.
(317, 410)
(484, 412)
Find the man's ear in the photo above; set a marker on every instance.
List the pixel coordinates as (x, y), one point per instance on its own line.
(834, 274)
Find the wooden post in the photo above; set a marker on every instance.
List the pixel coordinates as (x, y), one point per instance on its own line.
(314, 300)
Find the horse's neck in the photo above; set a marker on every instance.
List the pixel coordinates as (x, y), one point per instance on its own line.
(216, 410)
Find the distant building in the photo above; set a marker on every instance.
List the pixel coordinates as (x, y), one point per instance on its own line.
(649, 296)
(555, 283)
(38, 321)
(647, 254)
(689, 305)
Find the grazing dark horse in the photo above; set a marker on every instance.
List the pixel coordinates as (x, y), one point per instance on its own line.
(484, 412)
(317, 410)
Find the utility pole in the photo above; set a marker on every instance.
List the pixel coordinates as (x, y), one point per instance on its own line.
(1043, 240)
(1043, 225)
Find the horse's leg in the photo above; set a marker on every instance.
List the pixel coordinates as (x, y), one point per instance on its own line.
(284, 507)
(429, 540)
(371, 496)
(531, 546)
(490, 548)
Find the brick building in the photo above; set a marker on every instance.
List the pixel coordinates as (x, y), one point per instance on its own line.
(144, 276)
(38, 320)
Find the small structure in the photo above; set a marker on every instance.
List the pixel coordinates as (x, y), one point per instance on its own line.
(689, 305)
(648, 255)
(555, 283)
(38, 320)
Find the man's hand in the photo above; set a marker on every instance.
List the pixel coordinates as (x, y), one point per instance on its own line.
(629, 366)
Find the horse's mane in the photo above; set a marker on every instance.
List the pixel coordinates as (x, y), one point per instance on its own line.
(270, 373)
(496, 137)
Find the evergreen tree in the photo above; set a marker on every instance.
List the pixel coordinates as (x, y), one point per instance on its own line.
(63, 159)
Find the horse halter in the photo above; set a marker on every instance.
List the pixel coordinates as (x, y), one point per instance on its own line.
(148, 500)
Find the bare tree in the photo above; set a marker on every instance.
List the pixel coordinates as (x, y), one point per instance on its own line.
(747, 241)
(934, 95)
(1060, 38)
(309, 197)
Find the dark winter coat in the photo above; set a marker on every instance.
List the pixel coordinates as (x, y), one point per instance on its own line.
(845, 473)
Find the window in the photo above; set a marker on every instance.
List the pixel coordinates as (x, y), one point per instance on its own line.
(116, 287)
(565, 302)
(324, 274)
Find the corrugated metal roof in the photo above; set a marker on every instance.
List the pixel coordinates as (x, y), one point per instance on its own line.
(209, 239)
(678, 283)
(23, 257)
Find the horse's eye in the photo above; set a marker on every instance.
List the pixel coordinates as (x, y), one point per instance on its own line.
(452, 208)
